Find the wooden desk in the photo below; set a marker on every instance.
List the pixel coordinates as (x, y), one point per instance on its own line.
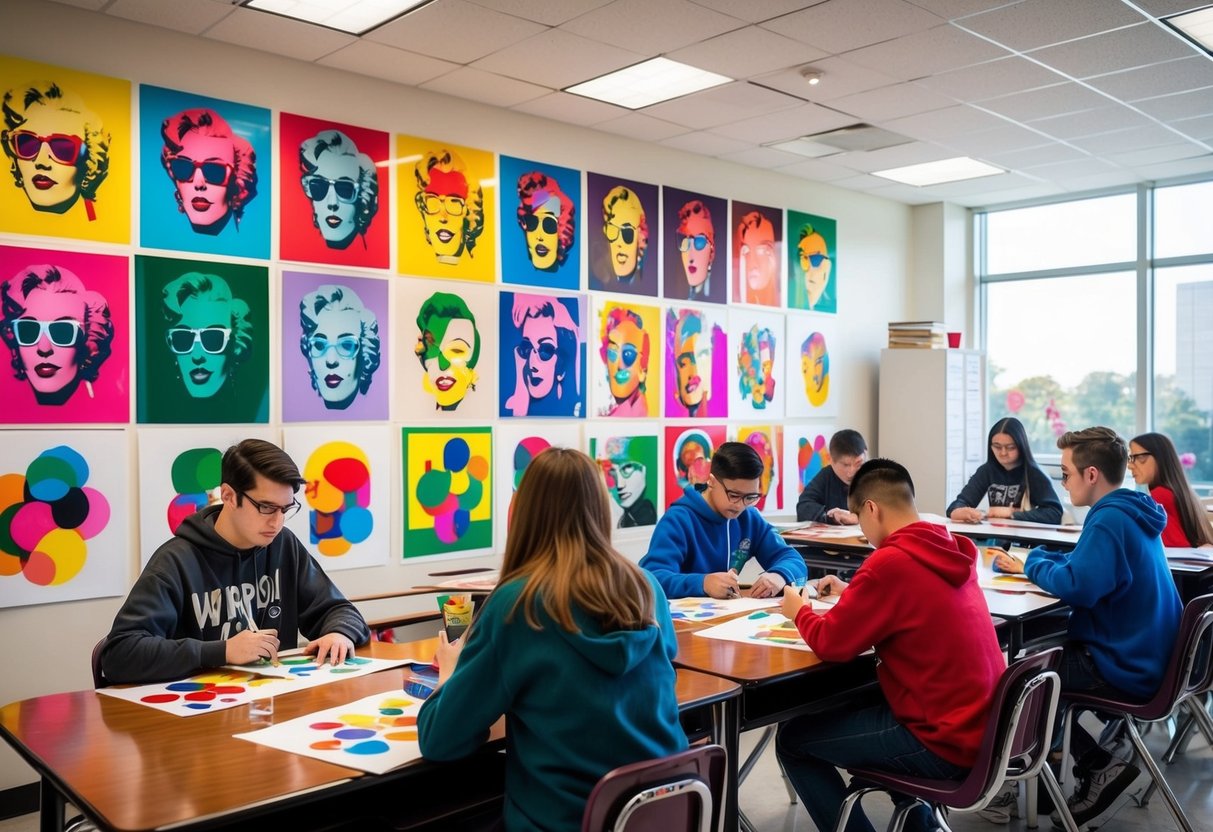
(130, 767)
(1031, 534)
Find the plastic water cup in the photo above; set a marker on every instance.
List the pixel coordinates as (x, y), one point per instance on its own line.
(261, 709)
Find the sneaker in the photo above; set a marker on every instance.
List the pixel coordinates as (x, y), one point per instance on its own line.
(1106, 791)
(1004, 805)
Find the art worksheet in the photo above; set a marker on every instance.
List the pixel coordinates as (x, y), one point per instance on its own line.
(762, 627)
(374, 734)
(1007, 583)
(223, 688)
(704, 609)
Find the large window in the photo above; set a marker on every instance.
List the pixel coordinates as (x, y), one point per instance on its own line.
(1069, 301)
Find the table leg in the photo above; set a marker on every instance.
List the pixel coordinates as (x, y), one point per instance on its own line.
(726, 722)
(52, 805)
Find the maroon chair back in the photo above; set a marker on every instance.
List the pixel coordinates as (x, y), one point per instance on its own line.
(98, 676)
(670, 794)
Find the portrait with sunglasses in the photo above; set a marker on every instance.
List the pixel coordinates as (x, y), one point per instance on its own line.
(339, 340)
(546, 215)
(695, 228)
(624, 349)
(619, 254)
(541, 374)
(341, 184)
(811, 263)
(540, 246)
(57, 145)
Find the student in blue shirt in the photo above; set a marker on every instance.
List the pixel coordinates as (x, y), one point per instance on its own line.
(704, 538)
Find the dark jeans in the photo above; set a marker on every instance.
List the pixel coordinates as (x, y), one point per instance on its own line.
(1079, 673)
(865, 735)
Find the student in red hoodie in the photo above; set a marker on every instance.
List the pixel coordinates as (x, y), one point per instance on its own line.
(916, 601)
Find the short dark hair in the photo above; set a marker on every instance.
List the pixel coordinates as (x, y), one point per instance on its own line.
(242, 462)
(1098, 447)
(847, 442)
(882, 481)
(736, 461)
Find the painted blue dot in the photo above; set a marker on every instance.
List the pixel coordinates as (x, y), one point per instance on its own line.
(355, 733)
(184, 687)
(198, 706)
(456, 454)
(356, 524)
(372, 747)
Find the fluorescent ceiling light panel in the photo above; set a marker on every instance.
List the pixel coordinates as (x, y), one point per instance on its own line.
(649, 82)
(1196, 26)
(356, 17)
(936, 173)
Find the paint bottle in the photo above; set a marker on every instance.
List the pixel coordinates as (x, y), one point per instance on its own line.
(457, 615)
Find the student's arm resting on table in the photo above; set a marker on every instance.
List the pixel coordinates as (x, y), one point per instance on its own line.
(1082, 576)
(973, 493)
(1046, 508)
(812, 502)
(861, 618)
(669, 550)
(774, 555)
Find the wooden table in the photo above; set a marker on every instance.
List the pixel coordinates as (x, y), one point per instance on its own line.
(130, 767)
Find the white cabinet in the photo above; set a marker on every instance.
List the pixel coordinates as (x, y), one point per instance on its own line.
(932, 419)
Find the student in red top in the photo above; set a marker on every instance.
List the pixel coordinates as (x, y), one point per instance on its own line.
(1154, 463)
(917, 602)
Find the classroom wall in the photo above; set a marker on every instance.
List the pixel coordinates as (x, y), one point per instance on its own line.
(48, 646)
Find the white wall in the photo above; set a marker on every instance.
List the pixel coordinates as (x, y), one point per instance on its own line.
(48, 647)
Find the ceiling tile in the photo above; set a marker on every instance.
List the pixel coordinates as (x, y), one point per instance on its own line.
(1200, 129)
(951, 9)
(574, 109)
(840, 27)
(991, 79)
(819, 170)
(756, 11)
(721, 105)
(913, 153)
(1178, 105)
(1111, 179)
(1140, 45)
(747, 52)
(292, 38)
(1120, 141)
(983, 185)
(1162, 8)
(543, 11)
(762, 157)
(95, 5)
(927, 53)
(1036, 156)
(556, 58)
(1152, 81)
(785, 124)
(1071, 169)
(840, 77)
(454, 30)
(651, 28)
(1043, 103)
(641, 127)
(1153, 155)
(863, 182)
(950, 121)
(903, 193)
(477, 85)
(1181, 167)
(1035, 23)
(380, 61)
(979, 200)
(892, 102)
(707, 144)
(1090, 122)
(194, 18)
(992, 142)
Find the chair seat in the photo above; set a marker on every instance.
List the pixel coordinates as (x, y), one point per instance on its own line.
(951, 792)
(1159, 707)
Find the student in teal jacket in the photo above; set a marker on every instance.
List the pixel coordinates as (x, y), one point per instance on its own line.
(704, 538)
(574, 647)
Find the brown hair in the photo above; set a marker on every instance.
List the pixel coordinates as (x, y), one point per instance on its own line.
(1169, 473)
(242, 462)
(565, 555)
(1100, 448)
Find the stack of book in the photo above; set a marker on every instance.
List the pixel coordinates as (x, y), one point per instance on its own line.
(905, 335)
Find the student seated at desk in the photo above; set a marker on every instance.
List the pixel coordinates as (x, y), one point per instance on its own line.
(1154, 463)
(703, 539)
(1126, 609)
(824, 499)
(229, 582)
(574, 647)
(916, 601)
(1010, 480)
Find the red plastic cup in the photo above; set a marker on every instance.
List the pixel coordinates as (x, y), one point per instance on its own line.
(954, 340)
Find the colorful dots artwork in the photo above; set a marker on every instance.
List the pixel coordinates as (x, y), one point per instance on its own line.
(375, 734)
(764, 627)
(295, 665)
(704, 609)
(338, 492)
(448, 503)
(196, 481)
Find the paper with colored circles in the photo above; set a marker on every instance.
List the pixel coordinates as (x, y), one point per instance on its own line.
(374, 734)
(762, 627)
(705, 609)
(294, 665)
(223, 688)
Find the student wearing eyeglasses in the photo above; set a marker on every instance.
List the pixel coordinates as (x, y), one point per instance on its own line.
(233, 585)
(342, 185)
(59, 149)
(1010, 481)
(704, 538)
(58, 332)
(451, 206)
(209, 331)
(1154, 463)
(340, 341)
(213, 170)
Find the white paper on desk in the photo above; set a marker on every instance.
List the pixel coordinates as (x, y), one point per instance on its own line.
(819, 532)
(1186, 555)
(705, 609)
(927, 517)
(1008, 583)
(374, 734)
(766, 628)
(294, 665)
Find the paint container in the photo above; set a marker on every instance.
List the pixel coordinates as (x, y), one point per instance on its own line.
(261, 708)
(456, 614)
(420, 680)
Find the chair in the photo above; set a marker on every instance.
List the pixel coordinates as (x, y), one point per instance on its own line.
(98, 675)
(1189, 674)
(1015, 747)
(675, 793)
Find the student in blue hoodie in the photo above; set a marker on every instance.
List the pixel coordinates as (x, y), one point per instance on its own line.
(704, 538)
(574, 647)
(1126, 609)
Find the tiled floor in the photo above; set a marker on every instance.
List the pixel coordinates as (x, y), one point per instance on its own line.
(765, 801)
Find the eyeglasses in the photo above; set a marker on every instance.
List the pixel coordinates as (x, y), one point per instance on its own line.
(530, 222)
(346, 347)
(699, 242)
(317, 188)
(62, 333)
(214, 172)
(269, 509)
(435, 204)
(64, 148)
(630, 354)
(762, 250)
(614, 232)
(546, 351)
(738, 497)
(813, 260)
(181, 339)
(1003, 449)
(625, 470)
(1133, 458)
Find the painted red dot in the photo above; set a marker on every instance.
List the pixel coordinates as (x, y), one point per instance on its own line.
(327, 726)
(200, 696)
(157, 698)
(228, 689)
